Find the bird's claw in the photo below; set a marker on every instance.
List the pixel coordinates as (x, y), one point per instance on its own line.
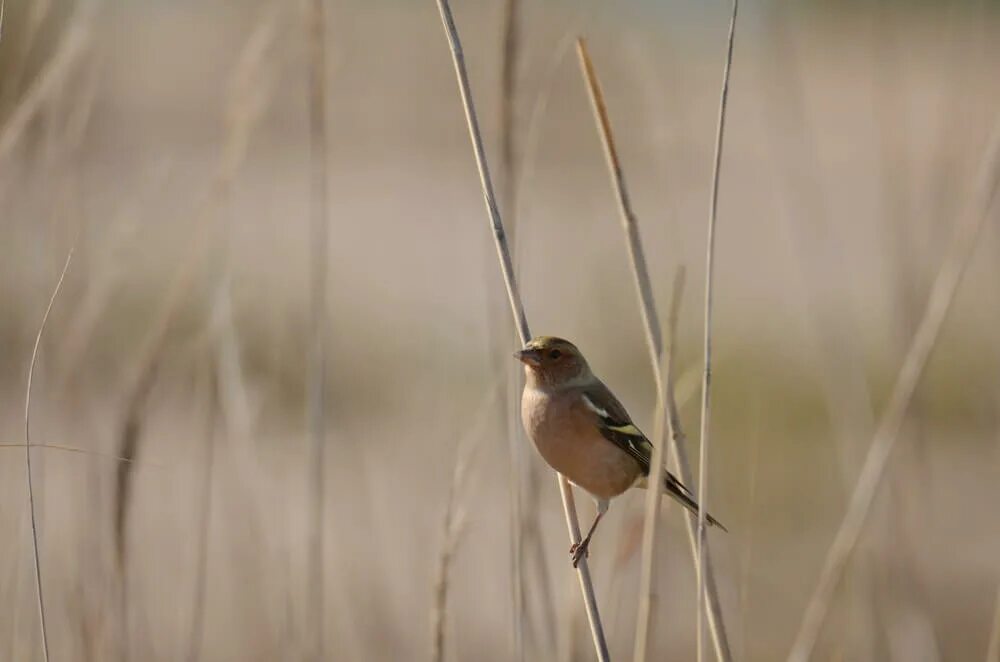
(579, 550)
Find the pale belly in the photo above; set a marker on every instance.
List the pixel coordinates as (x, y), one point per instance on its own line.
(579, 452)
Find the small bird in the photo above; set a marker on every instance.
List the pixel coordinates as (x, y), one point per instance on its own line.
(581, 429)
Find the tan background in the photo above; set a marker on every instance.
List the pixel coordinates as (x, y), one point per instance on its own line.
(170, 144)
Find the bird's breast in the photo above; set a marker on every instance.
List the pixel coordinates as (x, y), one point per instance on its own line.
(569, 440)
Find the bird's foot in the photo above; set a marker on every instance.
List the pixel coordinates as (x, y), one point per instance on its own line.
(579, 550)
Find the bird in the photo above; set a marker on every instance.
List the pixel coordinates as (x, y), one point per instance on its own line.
(582, 431)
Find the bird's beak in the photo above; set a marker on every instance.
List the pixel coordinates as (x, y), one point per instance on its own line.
(530, 357)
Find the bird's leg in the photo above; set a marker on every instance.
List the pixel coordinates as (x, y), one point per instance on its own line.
(578, 550)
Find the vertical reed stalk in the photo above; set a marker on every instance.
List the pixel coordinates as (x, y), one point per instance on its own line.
(706, 383)
(665, 385)
(27, 457)
(517, 307)
(648, 601)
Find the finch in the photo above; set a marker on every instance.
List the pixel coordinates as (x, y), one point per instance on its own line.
(581, 429)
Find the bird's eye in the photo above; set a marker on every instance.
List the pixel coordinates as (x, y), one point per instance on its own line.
(555, 354)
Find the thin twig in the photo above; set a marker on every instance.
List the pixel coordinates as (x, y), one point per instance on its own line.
(648, 595)
(517, 307)
(706, 383)
(901, 599)
(548, 625)
(648, 600)
(27, 455)
(675, 432)
(319, 237)
(939, 302)
(82, 451)
(683, 467)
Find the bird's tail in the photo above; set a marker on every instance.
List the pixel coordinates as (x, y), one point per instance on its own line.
(683, 495)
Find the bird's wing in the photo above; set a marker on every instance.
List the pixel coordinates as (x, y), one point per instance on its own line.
(617, 427)
(615, 424)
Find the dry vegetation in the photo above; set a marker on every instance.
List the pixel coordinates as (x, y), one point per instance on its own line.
(271, 407)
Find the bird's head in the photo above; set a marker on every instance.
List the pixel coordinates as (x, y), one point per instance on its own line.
(552, 361)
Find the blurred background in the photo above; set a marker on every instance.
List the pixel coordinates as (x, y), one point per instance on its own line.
(169, 144)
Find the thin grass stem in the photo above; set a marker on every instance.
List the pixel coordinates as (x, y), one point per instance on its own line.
(706, 383)
(27, 456)
(648, 600)
(517, 307)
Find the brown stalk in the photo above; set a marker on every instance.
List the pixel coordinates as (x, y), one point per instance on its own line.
(82, 451)
(517, 307)
(27, 457)
(706, 384)
(654, 342)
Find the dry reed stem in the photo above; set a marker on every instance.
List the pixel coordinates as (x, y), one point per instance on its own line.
(893, 529)
(27, 456)
(111, 457)
(668, 391)
(648, 598)
(683, 467)
(706, 383)
(319, 238)
(939, 301)
(549, 624)
(517, 307)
